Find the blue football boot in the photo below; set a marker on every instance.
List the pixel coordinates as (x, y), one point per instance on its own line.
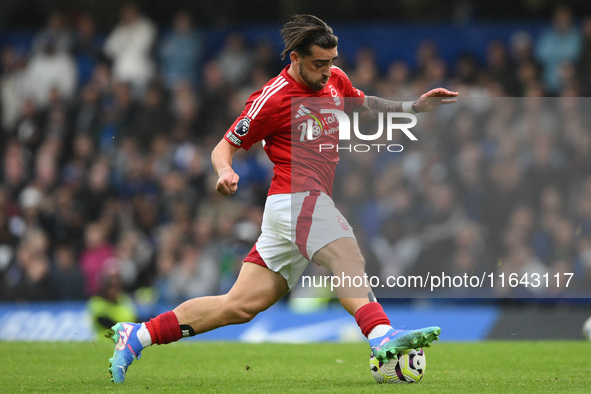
(127, 349)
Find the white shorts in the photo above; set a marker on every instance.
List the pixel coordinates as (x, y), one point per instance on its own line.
(296, 226)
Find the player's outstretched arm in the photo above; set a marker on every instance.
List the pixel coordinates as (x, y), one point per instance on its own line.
(434, 98)
(373, 105)
(221, 158)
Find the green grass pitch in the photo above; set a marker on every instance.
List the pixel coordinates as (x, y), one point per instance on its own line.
(199, 367)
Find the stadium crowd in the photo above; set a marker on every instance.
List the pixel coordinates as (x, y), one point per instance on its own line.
(106, 183)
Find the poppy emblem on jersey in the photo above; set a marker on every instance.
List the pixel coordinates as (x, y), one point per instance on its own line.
(242, 127)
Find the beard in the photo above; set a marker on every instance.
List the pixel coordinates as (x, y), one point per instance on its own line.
(314, 85)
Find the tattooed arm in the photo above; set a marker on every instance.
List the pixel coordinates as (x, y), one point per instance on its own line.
(373, 105)
(433, 98)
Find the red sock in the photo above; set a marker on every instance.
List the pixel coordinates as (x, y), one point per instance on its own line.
(164, 328)
(369, 316)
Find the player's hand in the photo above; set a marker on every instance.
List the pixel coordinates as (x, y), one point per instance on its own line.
(434, 98)
(227, 183)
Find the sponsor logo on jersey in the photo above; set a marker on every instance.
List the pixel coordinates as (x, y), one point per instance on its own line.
(316, 124)
(242, 127)
(235, 140)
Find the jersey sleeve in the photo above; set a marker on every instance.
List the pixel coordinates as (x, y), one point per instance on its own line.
(251, 126)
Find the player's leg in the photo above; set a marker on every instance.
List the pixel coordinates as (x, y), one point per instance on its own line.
(343, 258)
(256, 289)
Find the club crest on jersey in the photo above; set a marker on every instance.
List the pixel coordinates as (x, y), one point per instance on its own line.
(242, 127)
(335, 96)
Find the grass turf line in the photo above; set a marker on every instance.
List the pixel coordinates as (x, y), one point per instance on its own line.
(512, 366)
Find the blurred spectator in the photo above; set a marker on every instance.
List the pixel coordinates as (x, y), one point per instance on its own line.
(442, 219)
(56, 119)
(129, 45)
(521, 48)
(55, 33)
(66, 274)
(50, 69)
(546, 168)
(30, 201)
(28, 128)
(426, 53)
(36, 284)
(65, 217)
(235, 59)
(469, 177)
(86, 46)
(131, 258)
(526, 67)
(500, 68)
(8, 240)
(583, 214)
(395, 247)
(504, 191)
(15, 165)
(466, 70)
(28, 278)
(215, 96)
(146, 213)
(180, 52)
(397, 83)
(111, 305)
(12, 87)
(528, 79)
(87, 112)
(175, 192)
(97, 190)
(434, 74)
(195, 274)
(97, 251)
(584, 60)
(563, 243)
(365, 74)
(519, 260)
(151, 118)
(184, 108)
(558, 44)
(46, 171)
(118, 118)
(471, 253)
(266, 58)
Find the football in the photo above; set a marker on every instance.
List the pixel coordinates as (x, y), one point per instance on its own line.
(587, 329)
(408, 367)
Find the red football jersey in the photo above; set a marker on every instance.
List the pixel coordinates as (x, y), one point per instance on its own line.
(274, 114)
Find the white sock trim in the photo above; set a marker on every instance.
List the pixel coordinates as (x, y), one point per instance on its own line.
(144, 336)
(379, 330)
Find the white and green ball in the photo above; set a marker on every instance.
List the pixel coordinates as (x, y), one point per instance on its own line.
(407, 367)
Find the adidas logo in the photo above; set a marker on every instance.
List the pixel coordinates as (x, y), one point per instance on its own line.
(302, 111)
